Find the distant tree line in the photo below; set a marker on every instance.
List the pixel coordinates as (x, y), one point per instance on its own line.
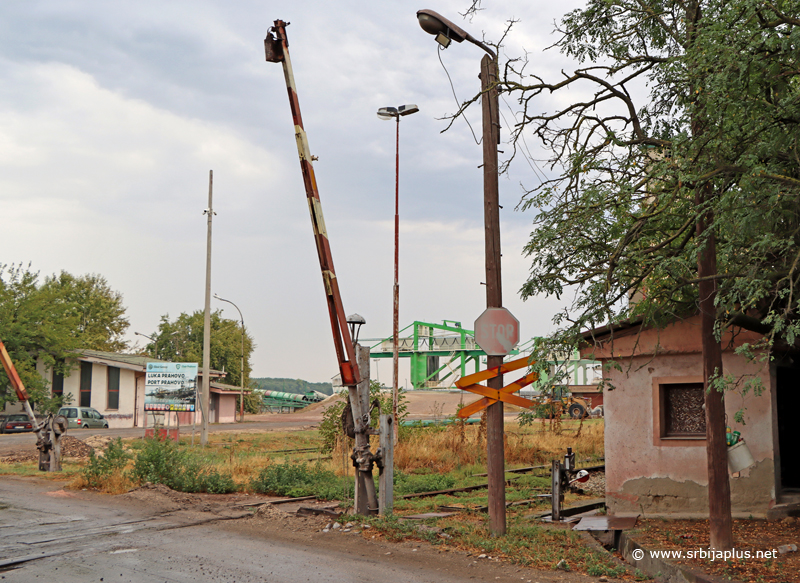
(290, 385)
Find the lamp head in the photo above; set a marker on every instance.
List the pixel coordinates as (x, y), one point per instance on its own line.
(437, 25)
(387, 113)
(355, 321)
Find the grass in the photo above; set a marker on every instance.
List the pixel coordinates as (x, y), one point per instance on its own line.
(426, 459)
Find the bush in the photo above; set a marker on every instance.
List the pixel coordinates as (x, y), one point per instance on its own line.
(100, 468)
(164, 462)
(330, 428)
(299, 479)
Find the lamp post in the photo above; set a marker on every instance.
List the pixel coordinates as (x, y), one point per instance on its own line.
(153, 340)
(387, 113)
(446, 32)
(241, 370)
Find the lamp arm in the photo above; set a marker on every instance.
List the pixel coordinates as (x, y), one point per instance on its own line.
(482, 45)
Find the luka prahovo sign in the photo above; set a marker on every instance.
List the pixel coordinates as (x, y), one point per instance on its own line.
(170, 386)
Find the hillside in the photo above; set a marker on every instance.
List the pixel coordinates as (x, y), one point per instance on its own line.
(291, 385)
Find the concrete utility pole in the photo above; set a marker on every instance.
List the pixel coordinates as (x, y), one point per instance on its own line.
(206, 389)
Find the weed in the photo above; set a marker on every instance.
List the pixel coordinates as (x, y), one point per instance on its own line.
(99, 468)
(298, 479)
(164, 462)
(414, 483)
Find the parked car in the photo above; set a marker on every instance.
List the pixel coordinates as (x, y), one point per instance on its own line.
(85, 417)
(15, 423)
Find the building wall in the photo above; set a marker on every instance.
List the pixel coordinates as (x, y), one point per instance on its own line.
(645, 474)
(123, 416)
(226, 408)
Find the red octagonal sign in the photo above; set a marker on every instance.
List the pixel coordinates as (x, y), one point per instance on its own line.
(496, 331)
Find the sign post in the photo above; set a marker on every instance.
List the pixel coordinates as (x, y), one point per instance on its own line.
(496, 332)
(170, 387)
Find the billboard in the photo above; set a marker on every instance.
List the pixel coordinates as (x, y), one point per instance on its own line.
(170, 386)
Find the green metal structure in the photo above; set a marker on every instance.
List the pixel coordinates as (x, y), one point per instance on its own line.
(281, 401)
(430, 345)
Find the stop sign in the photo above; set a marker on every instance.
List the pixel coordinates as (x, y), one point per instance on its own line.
(496, 331)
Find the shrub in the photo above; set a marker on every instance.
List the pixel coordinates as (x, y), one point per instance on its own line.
(330, 428)
(299, 479)
(164, 462)
(99, 468)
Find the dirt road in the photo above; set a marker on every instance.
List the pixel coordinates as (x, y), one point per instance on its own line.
(156, 535)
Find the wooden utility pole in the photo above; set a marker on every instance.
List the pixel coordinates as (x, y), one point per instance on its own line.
(495, 450)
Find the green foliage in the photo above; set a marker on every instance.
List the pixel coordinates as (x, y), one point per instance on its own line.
(298, 386)
(415, 483)
(300, 479)
(100, 467)
(330, 428)
(181, 340)
(162, 461)
(49, 321)
(101, 314)
(689, 114)
(252, 403)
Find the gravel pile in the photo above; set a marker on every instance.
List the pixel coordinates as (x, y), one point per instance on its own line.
(71, 447)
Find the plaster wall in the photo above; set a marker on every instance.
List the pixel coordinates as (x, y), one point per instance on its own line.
(226, 408)
(648, 474)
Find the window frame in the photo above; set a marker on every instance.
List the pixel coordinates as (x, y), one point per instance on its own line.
(659, 414)
(109, 388)
(86, 384)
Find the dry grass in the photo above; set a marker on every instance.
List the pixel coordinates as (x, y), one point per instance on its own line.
(458, 446)
(118, 482)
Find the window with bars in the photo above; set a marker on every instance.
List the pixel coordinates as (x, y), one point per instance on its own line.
(113, 388)
(682, 410)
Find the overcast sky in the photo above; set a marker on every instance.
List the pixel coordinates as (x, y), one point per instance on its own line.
(112, 114)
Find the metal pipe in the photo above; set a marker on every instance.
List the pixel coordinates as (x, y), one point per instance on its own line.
(396, 299)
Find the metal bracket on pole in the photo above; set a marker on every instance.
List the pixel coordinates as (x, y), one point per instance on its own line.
(386, 465)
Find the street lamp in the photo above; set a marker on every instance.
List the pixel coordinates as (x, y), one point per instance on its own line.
(387, 113)
(241, 370)
(445, 32)
(155, 342)
(355, 321)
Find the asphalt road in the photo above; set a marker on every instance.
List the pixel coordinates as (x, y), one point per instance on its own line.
(49, 534)
(12, 442)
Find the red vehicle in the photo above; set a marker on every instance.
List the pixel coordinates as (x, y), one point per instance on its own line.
(16, 424)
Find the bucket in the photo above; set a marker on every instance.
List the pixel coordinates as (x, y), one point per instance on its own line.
(739, 457)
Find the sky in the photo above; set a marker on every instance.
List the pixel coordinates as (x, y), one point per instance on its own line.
(112, 114)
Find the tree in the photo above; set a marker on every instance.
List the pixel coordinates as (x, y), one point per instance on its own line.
(34, 324)
(102, 322)
(181, 340)
(48, 322)
(675, 178)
